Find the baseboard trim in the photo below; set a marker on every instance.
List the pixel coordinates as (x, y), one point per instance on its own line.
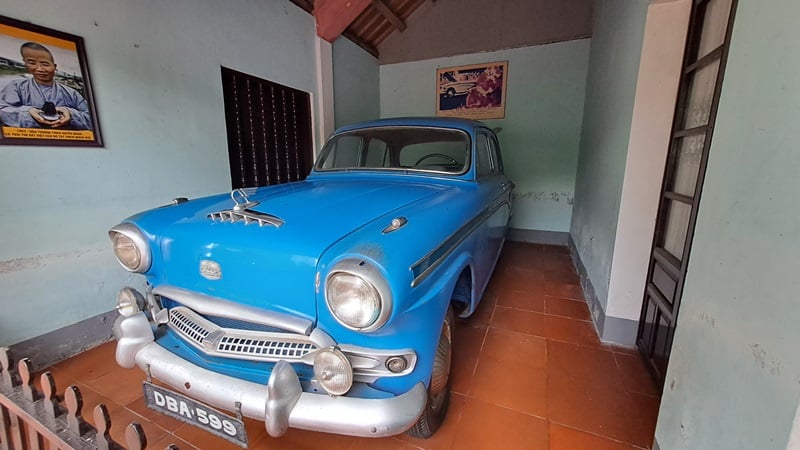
(610, 329)
(50, 348)
(538, 236)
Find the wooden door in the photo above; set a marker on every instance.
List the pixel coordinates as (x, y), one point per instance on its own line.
(706, 52)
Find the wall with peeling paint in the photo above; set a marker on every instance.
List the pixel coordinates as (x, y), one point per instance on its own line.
(734, 375)
(155, 68)
(610, 93)
(540, 133)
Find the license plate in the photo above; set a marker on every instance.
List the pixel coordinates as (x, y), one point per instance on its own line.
(187, 410)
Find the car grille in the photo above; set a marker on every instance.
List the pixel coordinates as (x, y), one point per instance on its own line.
(239, 344)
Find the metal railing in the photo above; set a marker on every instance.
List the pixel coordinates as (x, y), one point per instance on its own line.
(32, 420)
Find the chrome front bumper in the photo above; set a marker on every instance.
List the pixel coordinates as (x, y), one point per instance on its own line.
(281, 403)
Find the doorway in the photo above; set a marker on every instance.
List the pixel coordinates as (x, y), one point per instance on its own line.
(705, 55)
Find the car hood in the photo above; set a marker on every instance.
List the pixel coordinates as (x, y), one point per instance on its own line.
(268, 266)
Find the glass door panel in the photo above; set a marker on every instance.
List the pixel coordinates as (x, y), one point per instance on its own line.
(700, 95)
(677, 223)
(687, 165)
(714, 24)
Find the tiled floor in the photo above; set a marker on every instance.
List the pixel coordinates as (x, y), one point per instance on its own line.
(529, 373)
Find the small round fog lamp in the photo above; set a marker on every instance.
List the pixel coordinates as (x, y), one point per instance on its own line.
(333, 371)
(396, 364)
(129, 301)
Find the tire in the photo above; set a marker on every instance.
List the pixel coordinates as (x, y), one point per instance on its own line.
(439, 387)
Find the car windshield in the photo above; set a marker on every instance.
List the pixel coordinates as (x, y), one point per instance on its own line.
(397, 148)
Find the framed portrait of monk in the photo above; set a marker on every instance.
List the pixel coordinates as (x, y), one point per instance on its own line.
(45, 90)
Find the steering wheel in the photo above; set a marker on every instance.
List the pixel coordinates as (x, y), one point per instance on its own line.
(437, 155)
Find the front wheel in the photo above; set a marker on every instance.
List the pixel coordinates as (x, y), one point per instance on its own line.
(439, 388)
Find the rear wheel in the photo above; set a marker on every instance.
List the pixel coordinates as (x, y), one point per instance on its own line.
(439, 388)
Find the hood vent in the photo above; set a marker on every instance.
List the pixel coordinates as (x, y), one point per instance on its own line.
(247, 216)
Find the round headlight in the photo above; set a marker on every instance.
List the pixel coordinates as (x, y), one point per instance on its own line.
(333, 371)
(354, 301)
(130, 247)
(358, 294)
(129, 301)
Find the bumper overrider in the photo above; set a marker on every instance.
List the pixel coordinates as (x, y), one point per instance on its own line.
(280, 404)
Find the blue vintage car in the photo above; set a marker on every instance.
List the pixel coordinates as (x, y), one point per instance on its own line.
(326, 304)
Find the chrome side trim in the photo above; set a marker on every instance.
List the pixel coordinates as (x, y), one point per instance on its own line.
(279, 405)
(214, 340)
(247, 216)
(422, 268)
(218, 307)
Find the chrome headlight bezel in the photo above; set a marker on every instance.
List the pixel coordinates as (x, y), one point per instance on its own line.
(136, 237)
(370, 275)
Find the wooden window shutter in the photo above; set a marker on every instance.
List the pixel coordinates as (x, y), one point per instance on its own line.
(269, 130)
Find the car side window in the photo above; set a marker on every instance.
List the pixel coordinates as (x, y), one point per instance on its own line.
(345, 153)
(483, 154)
(494, 149)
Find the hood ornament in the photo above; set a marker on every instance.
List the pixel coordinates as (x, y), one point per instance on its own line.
(241, 211)
(239, 197)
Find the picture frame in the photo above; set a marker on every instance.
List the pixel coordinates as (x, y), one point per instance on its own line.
(476, 91)
(46, 95)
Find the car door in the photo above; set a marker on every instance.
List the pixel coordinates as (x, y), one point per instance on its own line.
(495, 192)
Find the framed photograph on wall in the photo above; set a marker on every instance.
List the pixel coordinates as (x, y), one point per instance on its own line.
(476, 91)
(45, 90)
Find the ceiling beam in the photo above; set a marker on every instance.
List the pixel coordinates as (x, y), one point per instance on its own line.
(390, 15)
(306, 5)
(334, 16)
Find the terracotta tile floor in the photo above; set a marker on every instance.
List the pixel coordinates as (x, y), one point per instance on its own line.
(529, 373)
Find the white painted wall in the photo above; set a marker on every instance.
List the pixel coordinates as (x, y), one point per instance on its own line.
(155, 68)
(653, 110)
(540, 133)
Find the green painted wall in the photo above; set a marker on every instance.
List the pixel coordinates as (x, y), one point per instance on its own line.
(155, 67)
(734, 376)
(355, 83)
(610, 92)
(541, 130)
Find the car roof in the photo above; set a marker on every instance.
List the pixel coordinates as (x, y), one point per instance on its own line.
(443, 122)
